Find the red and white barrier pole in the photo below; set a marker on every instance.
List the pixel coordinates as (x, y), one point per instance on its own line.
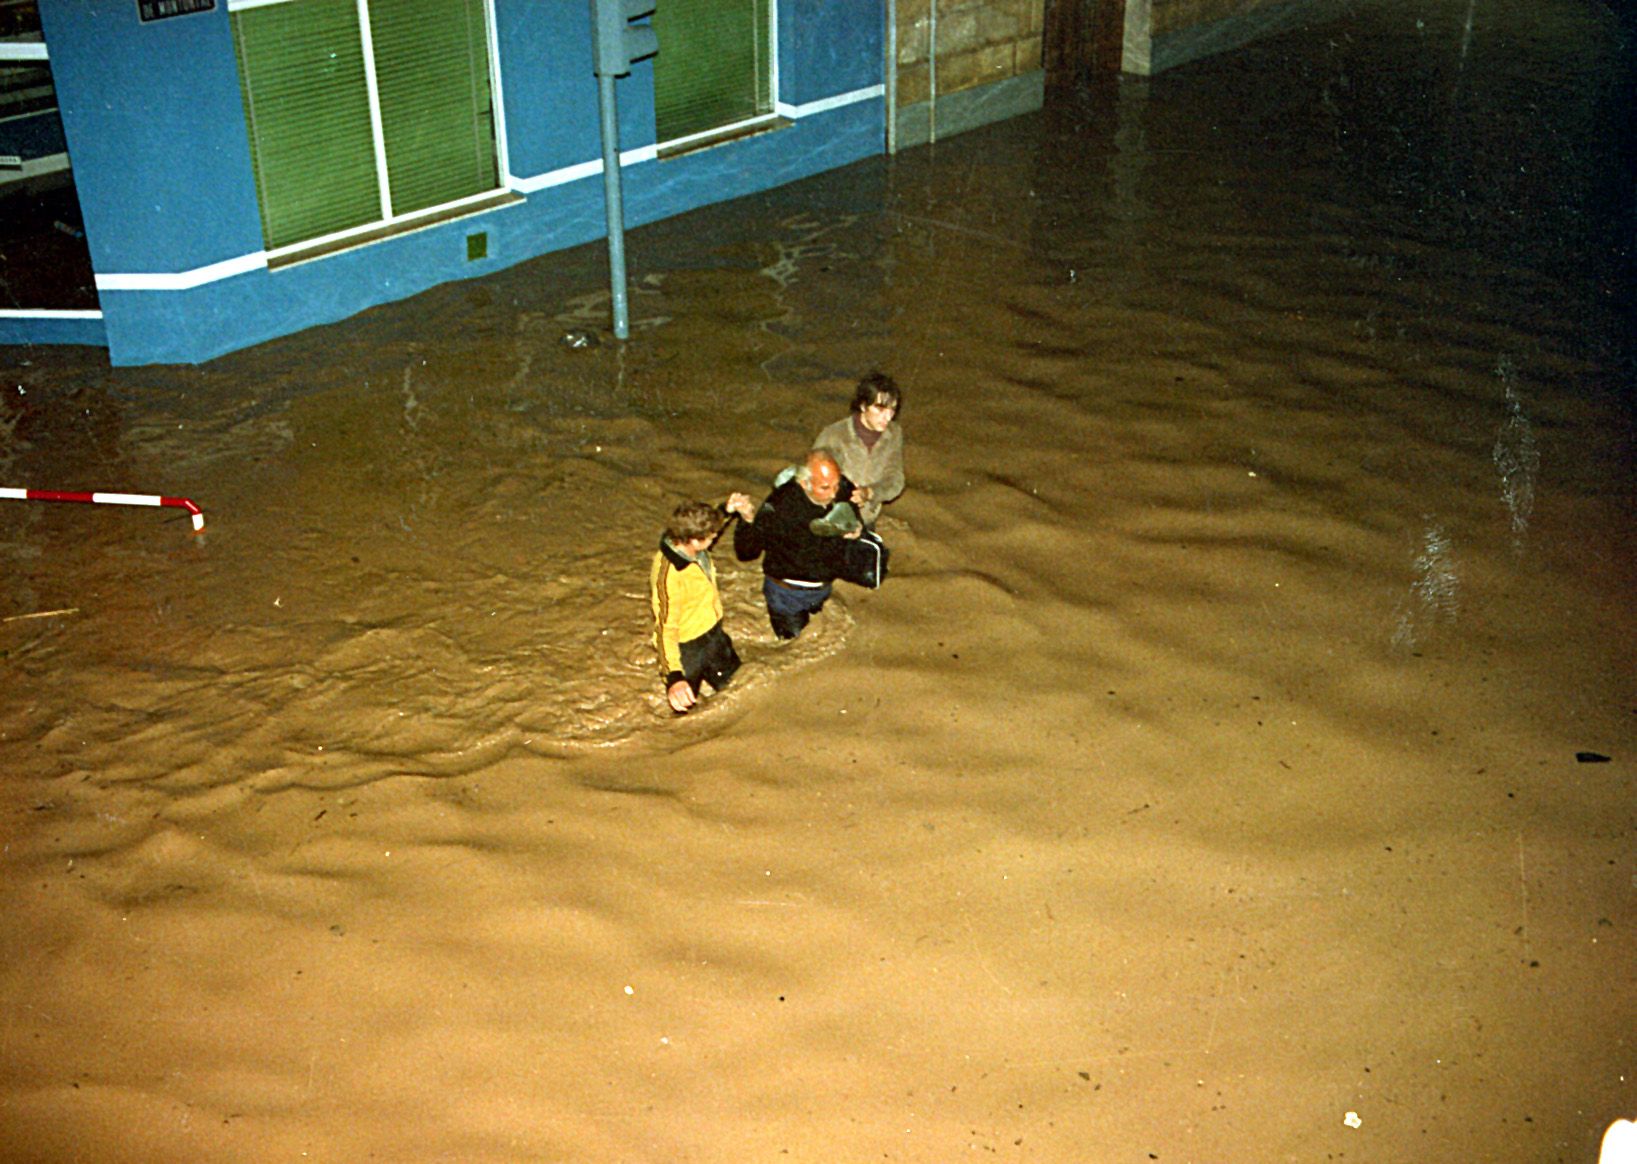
(108, 499)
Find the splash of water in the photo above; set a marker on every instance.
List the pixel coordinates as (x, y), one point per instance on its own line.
(809, 243)
(1516, 457)
(1435, 593)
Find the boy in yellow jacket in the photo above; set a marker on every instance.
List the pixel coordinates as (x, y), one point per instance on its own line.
(693, 648)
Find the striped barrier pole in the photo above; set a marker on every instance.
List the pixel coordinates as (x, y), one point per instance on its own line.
(107, 499)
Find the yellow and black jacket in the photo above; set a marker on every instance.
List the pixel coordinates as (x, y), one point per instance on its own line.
(686, 604)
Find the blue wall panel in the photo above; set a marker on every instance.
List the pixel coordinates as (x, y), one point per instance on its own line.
(30, 329)
(812, 145)
(550, 93)
(146, 327)
(828, 47)
(156, 135)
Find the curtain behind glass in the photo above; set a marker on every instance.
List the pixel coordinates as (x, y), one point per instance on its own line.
(714, 66)
(306, 101)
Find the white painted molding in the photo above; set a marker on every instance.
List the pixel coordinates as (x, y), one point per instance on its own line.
(47, 313)
(575, 173)
(826, 104)
(183, 280)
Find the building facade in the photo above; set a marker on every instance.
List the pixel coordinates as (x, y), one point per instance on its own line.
(184, 178)
(246, 169)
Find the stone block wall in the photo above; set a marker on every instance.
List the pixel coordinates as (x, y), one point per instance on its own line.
(979, 42)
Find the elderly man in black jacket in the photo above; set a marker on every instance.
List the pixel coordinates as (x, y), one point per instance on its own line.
(801, 551)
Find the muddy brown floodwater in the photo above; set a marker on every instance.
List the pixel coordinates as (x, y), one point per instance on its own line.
(1202, 784)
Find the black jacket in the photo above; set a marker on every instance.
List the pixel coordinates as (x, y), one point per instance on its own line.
(780, 533)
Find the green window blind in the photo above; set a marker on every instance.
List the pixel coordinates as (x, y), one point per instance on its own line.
(432, 73)
(715, 64)
(301, 71)
(307, 102)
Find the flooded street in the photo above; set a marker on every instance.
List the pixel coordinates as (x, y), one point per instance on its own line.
(1242, 749)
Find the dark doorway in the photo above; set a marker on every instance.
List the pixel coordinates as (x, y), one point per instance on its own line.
(44, 260)
(1084, 40)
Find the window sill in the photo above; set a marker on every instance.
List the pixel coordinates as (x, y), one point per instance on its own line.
(710, 140)
(306, 252)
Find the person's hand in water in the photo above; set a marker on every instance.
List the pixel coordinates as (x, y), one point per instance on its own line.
(680, 696)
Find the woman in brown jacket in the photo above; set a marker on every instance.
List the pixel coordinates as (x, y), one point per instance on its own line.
(869, 445)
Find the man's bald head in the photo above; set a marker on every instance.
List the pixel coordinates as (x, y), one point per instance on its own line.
(820, 477)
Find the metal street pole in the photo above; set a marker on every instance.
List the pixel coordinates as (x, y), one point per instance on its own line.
(615, 44)
(616, 208)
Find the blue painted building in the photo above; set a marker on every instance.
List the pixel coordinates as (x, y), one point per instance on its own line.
(249, 168)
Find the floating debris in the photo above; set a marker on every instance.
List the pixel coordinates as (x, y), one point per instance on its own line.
(579, 338)
(1591, 757)
(41, 614)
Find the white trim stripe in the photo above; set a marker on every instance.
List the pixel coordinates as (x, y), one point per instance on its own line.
(47, 313)
(555, 177)
(183, 280)
(24, 51)
(826, 104)
(577, 172)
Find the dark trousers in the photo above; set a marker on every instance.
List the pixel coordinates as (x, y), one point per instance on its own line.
(709, 658)
(789, 607)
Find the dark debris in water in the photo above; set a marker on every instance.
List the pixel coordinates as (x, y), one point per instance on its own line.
(1591, 757)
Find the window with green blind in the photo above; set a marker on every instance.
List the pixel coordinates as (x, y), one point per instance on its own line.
(715, 64)
(362, 111)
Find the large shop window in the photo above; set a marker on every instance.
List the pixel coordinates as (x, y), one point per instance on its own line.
(715, 65)
(363, 111)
